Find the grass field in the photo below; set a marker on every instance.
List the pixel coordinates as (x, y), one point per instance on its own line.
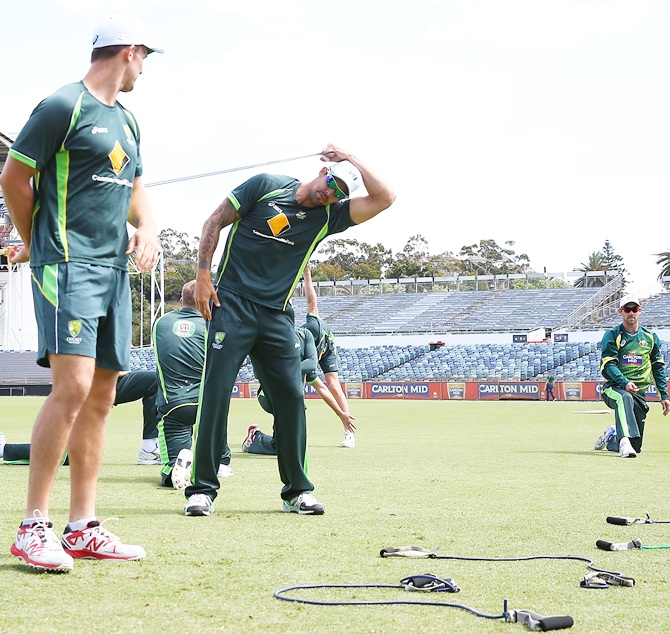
(477, 479)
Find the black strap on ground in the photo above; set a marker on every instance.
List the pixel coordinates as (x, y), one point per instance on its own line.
(431, 583)
(627, 521)
(603, 578)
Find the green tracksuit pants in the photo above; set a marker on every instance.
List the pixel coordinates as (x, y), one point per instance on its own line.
(240, 327)
(630, 413)
(175, 432)
(129, 387)
(140, 385)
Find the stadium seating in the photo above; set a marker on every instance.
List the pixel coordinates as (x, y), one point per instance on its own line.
(462, 311)
(473, 311)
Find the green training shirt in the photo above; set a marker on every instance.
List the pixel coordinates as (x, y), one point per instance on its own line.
(87, 155)
(633, 357)
(179, 346)
(267, 249)
(308, 358)
(323, 335)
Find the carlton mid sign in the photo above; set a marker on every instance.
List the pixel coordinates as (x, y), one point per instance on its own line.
(404, 390)
(511, 390)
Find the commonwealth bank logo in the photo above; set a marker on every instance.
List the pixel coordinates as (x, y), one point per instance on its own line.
(74, 328)
(118, 158)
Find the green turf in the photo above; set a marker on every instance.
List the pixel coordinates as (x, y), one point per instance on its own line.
(490, 479)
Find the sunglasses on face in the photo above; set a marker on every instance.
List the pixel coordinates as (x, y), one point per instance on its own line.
(332, 184)
(631, 309)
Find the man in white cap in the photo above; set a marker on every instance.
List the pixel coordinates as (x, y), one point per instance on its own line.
(631, 358)
(277, 222)
(81, 150)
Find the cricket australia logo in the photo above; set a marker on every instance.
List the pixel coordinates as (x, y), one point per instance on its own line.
(74, 328)
(218, 340)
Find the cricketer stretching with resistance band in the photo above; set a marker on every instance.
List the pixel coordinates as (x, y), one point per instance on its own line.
(631, 356)
(277, 222)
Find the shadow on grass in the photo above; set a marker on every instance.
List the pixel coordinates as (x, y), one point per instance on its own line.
(18, 566)
(154, 479)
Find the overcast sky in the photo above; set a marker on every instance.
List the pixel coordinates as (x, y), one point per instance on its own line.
(545, 122)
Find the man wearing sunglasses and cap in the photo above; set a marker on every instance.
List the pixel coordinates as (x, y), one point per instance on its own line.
(277, 223)
(631, 358)
(71, 182)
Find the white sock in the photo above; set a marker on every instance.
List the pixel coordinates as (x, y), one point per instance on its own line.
(81, 524)
(150, 444)
(29, 521)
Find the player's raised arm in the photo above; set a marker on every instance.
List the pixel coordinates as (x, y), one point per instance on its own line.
(380, 195)
(310, 293)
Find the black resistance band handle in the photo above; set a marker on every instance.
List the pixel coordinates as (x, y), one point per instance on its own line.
(548, 623)
(619, 521)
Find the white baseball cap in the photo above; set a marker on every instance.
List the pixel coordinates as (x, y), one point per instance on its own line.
(629, 298)
(348, 173)
(120, 29)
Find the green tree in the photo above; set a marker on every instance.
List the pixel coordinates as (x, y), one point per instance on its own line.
(664, 262)
(595, 262)
(351, 259)
(606, 259)
(412, 261)
(180, 253)
(612, 261)
(488, 258)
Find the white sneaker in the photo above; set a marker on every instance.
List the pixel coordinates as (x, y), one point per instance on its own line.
(626, 449)
(602, 441)
(304, 504)
(96, 542)
(199, 504)
(349, 440)
(247, 442)
(181, 472)
(3, 442)
(225, 471)
(40, 548)
(149, 457)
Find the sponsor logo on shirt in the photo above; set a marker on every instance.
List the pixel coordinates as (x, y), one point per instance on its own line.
(631, 359)
(183, 328)
(74, 328)
(278, 224)
(96, 130)
(129, 135)
(118, 158)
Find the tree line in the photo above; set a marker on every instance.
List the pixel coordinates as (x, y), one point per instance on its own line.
(350, 259)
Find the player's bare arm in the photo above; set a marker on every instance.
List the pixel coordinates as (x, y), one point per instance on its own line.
(17, 191)
(380, 195)
(144, 242)
(346, 418)
(224, 215)
(310, 293)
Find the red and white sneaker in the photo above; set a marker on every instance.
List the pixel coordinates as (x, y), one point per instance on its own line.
(96, 542)
(40, 548)
(246, 443)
